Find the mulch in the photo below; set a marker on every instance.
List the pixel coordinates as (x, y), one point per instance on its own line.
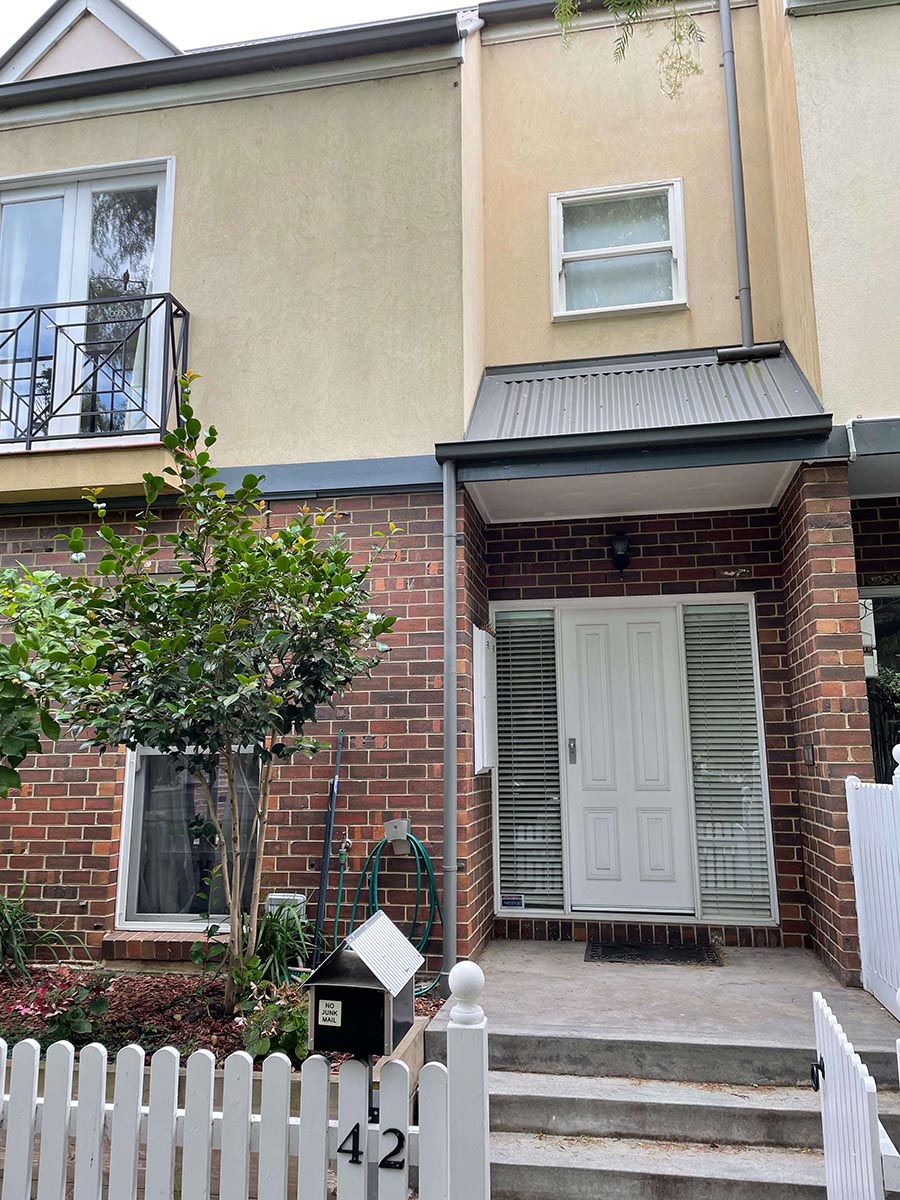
(170, 1009)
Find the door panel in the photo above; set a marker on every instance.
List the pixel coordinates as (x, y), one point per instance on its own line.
(623, 706)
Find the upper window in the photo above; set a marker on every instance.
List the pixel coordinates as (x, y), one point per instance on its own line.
(618, 249)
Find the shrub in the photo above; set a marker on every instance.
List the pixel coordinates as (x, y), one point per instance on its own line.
(22, 938)
(277, 1018)
(66, 1005)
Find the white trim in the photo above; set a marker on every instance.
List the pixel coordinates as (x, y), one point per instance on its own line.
(678, 602)
(673, 189)
(124, 25)
(888, 591)
(241, 87)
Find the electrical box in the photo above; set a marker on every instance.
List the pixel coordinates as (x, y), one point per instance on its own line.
(362, 997)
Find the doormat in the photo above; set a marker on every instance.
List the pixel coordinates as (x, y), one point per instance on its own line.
(649, 952)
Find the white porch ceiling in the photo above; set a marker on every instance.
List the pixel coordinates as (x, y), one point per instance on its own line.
(636, 493)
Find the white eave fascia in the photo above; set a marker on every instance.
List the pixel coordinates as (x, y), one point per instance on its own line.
(142, 39)
(264, 83)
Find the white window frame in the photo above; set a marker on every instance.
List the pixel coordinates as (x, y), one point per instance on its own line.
(567, 912)
(129, 840)
(559, 201)
(75, 186)
(484, 682)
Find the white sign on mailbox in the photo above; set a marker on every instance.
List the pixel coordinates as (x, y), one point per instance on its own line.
(329, 1012)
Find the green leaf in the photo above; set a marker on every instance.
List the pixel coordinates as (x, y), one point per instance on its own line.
(9, 779)
(141, 646)
(49, 727)
(194, 670)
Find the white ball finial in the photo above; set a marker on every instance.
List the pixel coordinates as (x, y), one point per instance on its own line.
(466, 984)
(896, 753)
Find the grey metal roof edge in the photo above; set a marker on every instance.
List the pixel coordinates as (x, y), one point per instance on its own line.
(831, 447)
(49, 13)
(589, 366)
(628, 439)
(292, 481)
(354, 41)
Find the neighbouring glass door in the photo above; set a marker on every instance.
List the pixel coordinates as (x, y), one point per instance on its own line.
(880, 622)
(31, 273)
(88, 253)
(118, 234)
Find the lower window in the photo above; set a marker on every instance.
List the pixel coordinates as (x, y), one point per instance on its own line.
(171, 864)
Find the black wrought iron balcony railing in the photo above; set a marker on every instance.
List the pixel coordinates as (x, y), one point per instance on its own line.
(90, 370)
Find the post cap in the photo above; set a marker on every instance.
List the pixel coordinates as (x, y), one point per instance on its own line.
(467, 981)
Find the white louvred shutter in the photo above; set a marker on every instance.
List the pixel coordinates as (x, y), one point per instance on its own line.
(529, 815)
(731, 814)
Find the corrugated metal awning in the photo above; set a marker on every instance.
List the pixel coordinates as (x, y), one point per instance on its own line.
(653, 392)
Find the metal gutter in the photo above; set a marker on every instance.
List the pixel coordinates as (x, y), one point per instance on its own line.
(645, 440)
(305, 49)
(508, 12)
(450, 752)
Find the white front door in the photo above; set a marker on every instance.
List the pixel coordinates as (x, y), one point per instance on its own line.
(625, 761)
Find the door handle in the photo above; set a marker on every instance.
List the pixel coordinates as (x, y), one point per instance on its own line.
(573, 750)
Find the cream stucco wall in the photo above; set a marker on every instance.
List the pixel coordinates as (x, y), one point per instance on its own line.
(848, 80)
(316, 245)
(557, 119)
(87, 45)
(472, 221)
(788, 192)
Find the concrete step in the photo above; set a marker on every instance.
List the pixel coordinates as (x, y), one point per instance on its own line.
(531, 1167)
(726, 1114)
(556, 1052)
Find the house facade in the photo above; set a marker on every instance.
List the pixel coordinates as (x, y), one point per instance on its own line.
(447, 273)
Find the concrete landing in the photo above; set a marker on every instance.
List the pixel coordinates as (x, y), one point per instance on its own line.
(759, 997)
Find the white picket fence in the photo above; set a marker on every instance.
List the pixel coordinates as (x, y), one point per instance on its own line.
(874, 814)
(449, 1146)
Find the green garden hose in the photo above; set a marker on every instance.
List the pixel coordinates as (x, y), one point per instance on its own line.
(368, 884)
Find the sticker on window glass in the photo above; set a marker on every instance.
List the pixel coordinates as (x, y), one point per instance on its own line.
(508, 901)
(329, 1012)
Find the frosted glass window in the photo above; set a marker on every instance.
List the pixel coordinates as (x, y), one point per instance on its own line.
(618, 249)
(629, 221)
(632, 279)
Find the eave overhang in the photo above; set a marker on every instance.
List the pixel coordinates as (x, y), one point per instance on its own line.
(303, 50)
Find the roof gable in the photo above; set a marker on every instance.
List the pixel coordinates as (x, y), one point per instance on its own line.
(82, 35)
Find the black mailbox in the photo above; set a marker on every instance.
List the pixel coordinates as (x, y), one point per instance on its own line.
(362, 997)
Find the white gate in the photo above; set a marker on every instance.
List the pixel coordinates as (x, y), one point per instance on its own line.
(860, 1160)
(874, 814)
(358, 1158)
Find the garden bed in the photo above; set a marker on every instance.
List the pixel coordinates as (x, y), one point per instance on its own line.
(152, 1010)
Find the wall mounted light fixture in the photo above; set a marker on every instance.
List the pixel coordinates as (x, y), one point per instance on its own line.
(620, 552)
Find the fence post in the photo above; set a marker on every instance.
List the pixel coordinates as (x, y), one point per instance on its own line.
(467, 1068)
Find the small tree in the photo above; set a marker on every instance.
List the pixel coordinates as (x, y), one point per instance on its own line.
(228, 654)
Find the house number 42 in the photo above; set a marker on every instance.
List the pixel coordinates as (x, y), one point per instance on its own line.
(391, 1161)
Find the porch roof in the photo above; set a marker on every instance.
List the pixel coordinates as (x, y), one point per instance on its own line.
(657, 392)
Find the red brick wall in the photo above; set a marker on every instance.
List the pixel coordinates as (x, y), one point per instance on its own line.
(672, 555)
(476, 881)
(876, 535)
(829, 693)
(62, 833)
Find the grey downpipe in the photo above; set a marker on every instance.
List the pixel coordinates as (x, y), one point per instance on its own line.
(738, 197)
(450, 724)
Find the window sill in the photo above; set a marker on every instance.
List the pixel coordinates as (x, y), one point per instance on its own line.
(627, 310)
(149, 945)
